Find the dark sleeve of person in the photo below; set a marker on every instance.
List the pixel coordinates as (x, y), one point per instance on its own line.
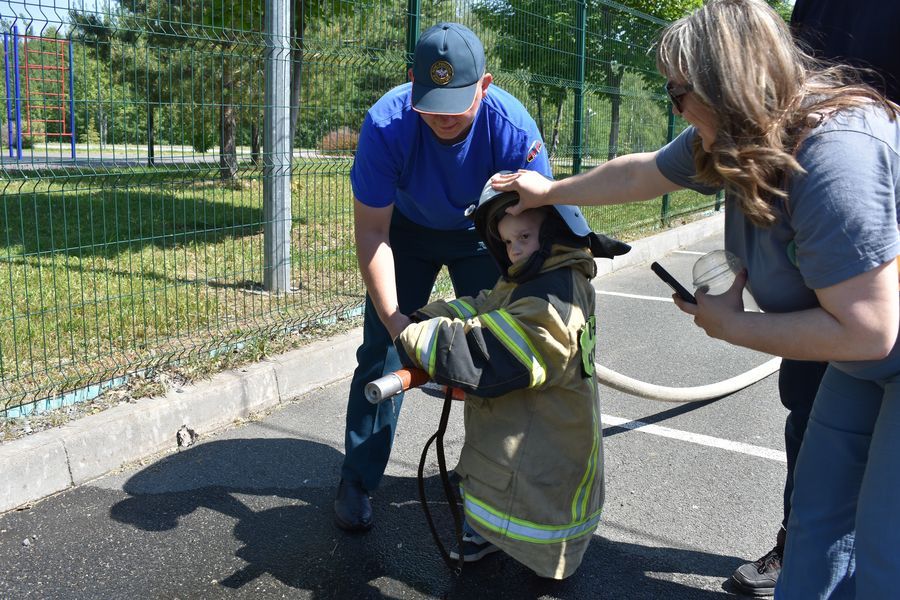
(493, 353)
(862, 33)
(474, 359)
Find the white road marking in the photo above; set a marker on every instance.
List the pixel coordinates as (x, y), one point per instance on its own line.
(688, 252)
(695, 438)
(636, 296)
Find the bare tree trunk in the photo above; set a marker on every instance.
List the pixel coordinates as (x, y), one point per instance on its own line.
(254, 144)
(298, 17)
(102, 123)
(540, 115)
(555, 142)
(150, 140)
(615, 100)
(227, 129)
(613, 148)
(613, 76)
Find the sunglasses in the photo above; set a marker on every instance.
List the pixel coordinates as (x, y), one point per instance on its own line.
(677, 92)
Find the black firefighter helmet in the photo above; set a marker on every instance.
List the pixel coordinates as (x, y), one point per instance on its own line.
(563, 224)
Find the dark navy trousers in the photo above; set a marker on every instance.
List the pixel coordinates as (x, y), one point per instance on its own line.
(419, 253)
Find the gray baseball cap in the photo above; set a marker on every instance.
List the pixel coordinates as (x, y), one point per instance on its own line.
(448, 64)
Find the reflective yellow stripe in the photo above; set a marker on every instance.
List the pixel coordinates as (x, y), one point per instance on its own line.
(425, 349)
(583, 493)
(526, 531)
(505, 329)
(463, 309)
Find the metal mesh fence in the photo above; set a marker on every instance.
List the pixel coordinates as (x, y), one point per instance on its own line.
(136, 178)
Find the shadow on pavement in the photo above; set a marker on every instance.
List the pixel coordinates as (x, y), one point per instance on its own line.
(659, 417)
(279, 493)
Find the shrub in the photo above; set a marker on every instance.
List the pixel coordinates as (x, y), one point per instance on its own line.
(340, 141)
(90, 135)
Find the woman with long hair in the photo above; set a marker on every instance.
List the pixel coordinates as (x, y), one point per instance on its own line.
(809, 158)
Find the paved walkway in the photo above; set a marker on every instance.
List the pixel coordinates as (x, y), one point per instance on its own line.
(692, 490)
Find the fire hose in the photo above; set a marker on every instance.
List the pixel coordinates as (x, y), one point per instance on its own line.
(388, 386)
(401, 380)
(385, 388)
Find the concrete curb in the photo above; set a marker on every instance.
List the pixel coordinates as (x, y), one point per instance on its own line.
(49, 462)
(54, 460)
(650, 248)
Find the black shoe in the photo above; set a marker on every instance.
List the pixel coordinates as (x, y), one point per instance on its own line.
(352, 509)
(474, 548)
(758, 578)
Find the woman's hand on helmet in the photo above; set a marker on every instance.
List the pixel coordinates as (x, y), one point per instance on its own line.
(532, 187)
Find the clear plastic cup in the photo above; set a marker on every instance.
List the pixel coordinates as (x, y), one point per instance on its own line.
(715, 271)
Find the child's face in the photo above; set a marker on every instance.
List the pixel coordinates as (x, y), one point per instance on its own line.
(520, 234)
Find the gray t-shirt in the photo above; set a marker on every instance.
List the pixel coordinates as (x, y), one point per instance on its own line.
(840, 218)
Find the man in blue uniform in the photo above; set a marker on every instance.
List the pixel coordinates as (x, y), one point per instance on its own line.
(425, 150)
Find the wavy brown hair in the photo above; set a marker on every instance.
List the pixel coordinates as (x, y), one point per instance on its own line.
(741, 61)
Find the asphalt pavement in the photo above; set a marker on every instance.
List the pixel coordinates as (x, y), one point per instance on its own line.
(693, 490)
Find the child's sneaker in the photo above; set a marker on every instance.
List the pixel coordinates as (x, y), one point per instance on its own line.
(474, 547)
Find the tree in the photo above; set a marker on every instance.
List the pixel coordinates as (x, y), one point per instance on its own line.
(539, 38)
(536, 38)
(304, 12)
(101, 94)
(156, 47)
(628, 32)
(622, 38)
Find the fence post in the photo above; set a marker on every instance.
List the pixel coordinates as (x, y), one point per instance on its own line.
(670, 135)
(151, 157)
(18, 92)
(413, 7)
(277, 150)
(72, 98)
(9, 97)
(577, 134)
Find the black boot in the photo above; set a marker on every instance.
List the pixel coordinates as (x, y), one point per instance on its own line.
(758, 578)
(352, 509)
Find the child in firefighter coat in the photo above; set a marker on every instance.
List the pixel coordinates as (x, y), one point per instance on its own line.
(532, 461)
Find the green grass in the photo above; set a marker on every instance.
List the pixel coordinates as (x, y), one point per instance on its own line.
(103, 275)
(639, 219)
(98, 278)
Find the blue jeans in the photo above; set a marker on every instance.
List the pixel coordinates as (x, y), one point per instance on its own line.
(419, 253)
(798, 383)
(844, 529)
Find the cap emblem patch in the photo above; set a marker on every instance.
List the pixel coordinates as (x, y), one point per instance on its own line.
(441, 72)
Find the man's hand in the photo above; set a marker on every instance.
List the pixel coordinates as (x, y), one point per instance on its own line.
(533, 189)
(714, 313)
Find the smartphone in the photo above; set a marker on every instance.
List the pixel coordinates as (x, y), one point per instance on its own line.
(673, 283)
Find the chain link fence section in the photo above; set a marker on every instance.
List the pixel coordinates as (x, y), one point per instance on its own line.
(151, 212)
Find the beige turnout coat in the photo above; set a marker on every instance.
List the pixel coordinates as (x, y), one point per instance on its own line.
(532, 462)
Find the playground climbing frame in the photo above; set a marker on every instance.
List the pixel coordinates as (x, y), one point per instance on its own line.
(39, 89)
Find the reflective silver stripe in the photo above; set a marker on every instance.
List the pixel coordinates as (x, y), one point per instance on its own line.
(520, 529)
(505, 329)
(463, 309)
(427, 343)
